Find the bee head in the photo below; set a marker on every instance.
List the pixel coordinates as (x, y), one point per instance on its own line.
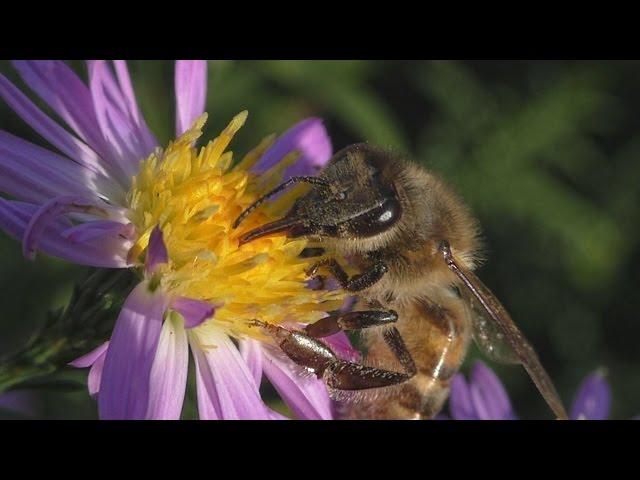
(353, 199)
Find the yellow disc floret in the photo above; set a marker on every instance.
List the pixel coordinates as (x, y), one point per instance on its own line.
(194, 195)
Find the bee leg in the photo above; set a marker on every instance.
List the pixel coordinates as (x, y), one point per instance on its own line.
(343, 375)
(356, 283)
(311, 252)
(320, 282)
(304, 350)
(396, 344)
(350, 321)
(313, 354)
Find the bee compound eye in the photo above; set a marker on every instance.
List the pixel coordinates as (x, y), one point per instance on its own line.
(377, 219)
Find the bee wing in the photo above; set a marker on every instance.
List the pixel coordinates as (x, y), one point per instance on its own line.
(487, 334)
(495, 314)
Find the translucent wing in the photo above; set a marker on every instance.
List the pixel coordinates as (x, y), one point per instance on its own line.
(496, 315)
(488, 336)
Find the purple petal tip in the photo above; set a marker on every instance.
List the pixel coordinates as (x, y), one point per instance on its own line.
(88, 359)
(310, 138)
(156, 251)
(460, 405)
(194, 312)
(593, 400)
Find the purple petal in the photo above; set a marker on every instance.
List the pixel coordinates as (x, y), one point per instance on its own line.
(68, 144)
(149, 141)
(127, 146)
(593, 400)
(251, 352)
(310, 138)
(34, 174)
(193, 311)
(156, 251)
(69, 97)
(340, 344)
(121, 156)
(95, 375)
(460, 404)
(169, 373)
(87, 231)
(481, 405)
(273, 415)
(489, 397)
(349, 304)
(126, 87)
(124, 389)
(332, 284)
(95, 360)
(50, 211)
(226, 387)
(90, 358)
(315, 283)
(108, 251)
(21, 401)
(306, 396)
(191, 92)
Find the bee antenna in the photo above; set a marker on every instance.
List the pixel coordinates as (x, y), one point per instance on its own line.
(278, 189)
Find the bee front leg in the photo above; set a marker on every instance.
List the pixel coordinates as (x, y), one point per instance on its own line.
(356, 283)
(310, 252)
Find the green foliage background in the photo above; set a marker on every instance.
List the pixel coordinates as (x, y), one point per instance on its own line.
(547, 153)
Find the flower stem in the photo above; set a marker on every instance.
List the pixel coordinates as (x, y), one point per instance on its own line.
(69, 332)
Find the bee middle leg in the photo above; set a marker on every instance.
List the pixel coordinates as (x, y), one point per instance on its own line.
(350, 321)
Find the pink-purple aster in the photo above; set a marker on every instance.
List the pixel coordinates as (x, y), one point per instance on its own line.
(106, 194)
(483, 397)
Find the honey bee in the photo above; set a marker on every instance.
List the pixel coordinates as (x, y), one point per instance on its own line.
(416, 245)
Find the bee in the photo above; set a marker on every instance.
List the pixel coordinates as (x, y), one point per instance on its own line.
(415, 244)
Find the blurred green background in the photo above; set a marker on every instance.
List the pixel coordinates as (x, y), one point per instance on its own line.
(547, 154)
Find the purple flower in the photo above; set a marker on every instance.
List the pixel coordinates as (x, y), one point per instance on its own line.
(593, 399)
(484, 397)
(107, 195)
(19, 401)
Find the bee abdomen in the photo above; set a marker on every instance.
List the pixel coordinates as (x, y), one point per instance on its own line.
(437, 337)
(419, 399)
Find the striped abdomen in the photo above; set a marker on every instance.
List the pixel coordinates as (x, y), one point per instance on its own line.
(436, 332)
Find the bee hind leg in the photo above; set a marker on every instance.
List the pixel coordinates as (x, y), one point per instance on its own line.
(304, 350)
(313, 354)
(343, 375)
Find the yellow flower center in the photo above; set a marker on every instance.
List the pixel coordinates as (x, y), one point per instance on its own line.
(194, 195)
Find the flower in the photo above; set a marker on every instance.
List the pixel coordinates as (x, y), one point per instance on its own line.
(18, 402)
(112, 197)
(485, 398)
